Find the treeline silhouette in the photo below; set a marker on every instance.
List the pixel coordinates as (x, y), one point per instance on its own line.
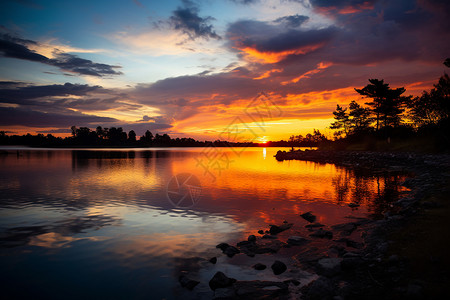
(390, 120)
(107, 137)
(117, 137)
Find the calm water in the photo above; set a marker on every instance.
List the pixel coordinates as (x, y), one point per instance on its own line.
(105, 224)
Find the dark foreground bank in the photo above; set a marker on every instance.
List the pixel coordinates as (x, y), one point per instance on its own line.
(402, 255)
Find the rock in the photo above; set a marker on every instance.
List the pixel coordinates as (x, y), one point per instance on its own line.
(414, 291)
(293, 281)
(339, 250)
(351, 254)
(224, 293)
(187, 283)
(257, 289)
(353, 205)
(231, 251)
(308, 216)
(263, 250)
(351, 243)
(296, 240)
(314, 225)
(220, 280)
(278, 267)
(251, 238)
(346, 228)
(213, 260)
(274, 229)
(351, 263)
(244, 244)
(222, 246)
(319, 289)
(329, 266)
(322, 234)
(261, 231)
(259, 267)
(269, 236)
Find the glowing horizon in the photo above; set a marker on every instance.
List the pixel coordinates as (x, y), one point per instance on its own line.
(192, 68)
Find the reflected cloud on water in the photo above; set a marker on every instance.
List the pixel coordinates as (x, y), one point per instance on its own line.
(109, 209)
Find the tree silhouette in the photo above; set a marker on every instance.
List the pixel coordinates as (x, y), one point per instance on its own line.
(117, 136)
(432, 107)
(342, 123)
(359, 117)
(447, 62)
(387, 103)
(147, 138)
(132, 136)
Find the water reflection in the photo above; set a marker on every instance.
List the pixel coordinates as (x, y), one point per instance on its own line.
(108, 212)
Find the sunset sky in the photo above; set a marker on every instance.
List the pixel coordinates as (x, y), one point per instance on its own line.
(194, 68)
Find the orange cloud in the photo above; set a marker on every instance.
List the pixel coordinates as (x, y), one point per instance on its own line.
(253, 55)
(351, 9)
(267, 74)
(320, 67)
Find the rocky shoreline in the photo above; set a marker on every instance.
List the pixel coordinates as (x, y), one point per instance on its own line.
(352, 268)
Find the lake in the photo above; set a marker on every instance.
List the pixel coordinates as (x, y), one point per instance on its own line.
(125, 223)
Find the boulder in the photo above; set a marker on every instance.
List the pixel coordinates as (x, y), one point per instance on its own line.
(244, 244)
(296, 240)
(213, 260)
(322, 234)
(346, 228)
(269, 236)
(329, 266)
(274, 229)
(220, 280)
(314, 225)
(259, 267)
(278, 267)
(187, 282)
(308, 216)
(222, 246)
(231, 251)
(351, 263)
(251, 238)
(257, 289)
(320, 289)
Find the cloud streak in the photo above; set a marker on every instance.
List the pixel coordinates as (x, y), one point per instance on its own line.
(14, 47)
(10, 116)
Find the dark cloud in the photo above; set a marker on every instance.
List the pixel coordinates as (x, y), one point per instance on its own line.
(406, 30)
(93, 104)
(73, 63)
(19, 94)
(187, 20)
(341, 4)
(19, 116)
(266, 37)
(366, 32)
(14, 47)
(9, 84)
(60, 130)
(58, 96)
(292, 21)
